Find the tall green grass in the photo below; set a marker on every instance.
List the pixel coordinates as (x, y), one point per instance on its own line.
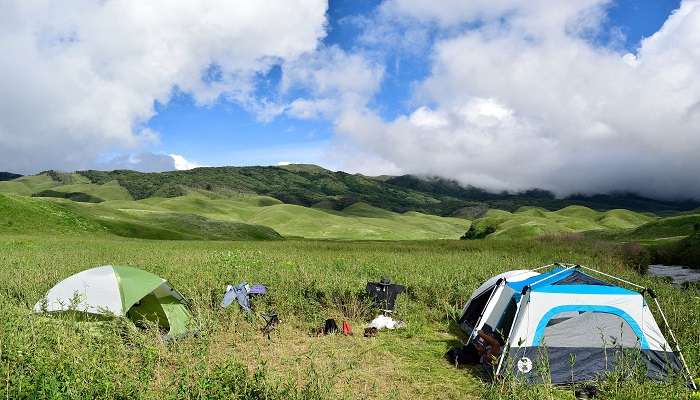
(309, 281)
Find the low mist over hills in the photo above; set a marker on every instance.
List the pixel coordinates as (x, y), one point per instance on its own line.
(308, 201)
(311, 185)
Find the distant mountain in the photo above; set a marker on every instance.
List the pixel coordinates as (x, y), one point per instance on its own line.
(8, 176)
(310, 185)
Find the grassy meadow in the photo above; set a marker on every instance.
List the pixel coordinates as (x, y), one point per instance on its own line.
(316, 260)
(309, 281)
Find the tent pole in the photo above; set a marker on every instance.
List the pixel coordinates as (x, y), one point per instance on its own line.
(613, 277)
(545, 266)
(553, 275)
(517, 315)
(678, 347)
(478, 321)
(506, 346)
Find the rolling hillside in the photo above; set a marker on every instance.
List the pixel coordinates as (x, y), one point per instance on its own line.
(359, 221)
(309, 201)
(310, 185)
(529, 222)
(666, 228)
(205, 216)
(26, 215)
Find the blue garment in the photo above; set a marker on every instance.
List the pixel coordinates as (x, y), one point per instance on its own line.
(229, 297)
(241, 293)
(242, 296)
(257, 289)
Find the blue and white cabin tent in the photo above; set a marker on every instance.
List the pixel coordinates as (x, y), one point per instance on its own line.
(571, 325)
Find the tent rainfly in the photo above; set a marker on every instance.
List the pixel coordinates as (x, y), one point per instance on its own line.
(122, 292)
(570, 325)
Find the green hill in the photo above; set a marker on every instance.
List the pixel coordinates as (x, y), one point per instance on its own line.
(530, 222)
(26, 215)
(309, 201)
(361, 209)
(28, 185)
(108, 191)
(669, 227)
(205, 216)
(311, 185)
(359, 221)
(20, 214)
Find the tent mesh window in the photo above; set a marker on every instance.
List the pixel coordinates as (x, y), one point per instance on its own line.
(589, 329)
(476, 307)
(579, 278)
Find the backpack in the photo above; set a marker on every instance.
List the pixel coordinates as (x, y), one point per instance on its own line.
(330, 327)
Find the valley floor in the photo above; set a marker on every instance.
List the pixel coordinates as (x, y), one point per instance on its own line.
(309, 281)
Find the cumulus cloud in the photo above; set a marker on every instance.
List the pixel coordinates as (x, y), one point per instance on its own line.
(81, 78)
(519, 96)
(331, 79)
(181, 163)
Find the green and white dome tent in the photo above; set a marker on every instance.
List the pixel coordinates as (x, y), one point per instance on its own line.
(123, 292)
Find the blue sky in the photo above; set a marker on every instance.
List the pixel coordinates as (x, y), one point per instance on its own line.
(476, 91)
(225, 133)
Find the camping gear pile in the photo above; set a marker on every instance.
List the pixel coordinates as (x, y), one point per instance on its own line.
(383, 295)
(123, 292)
(330, 327)
(577, 325)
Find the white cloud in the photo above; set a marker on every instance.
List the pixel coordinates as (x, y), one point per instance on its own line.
(283, 163)
(525, 100)
(81, 78)
(333, 79)
(181, 163)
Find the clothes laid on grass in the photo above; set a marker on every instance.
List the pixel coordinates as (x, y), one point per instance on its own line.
(241, 293)
(257, 289)
(385, 322)
(384, 294)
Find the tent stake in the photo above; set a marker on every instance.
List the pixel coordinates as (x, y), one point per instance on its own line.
(678, 347)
